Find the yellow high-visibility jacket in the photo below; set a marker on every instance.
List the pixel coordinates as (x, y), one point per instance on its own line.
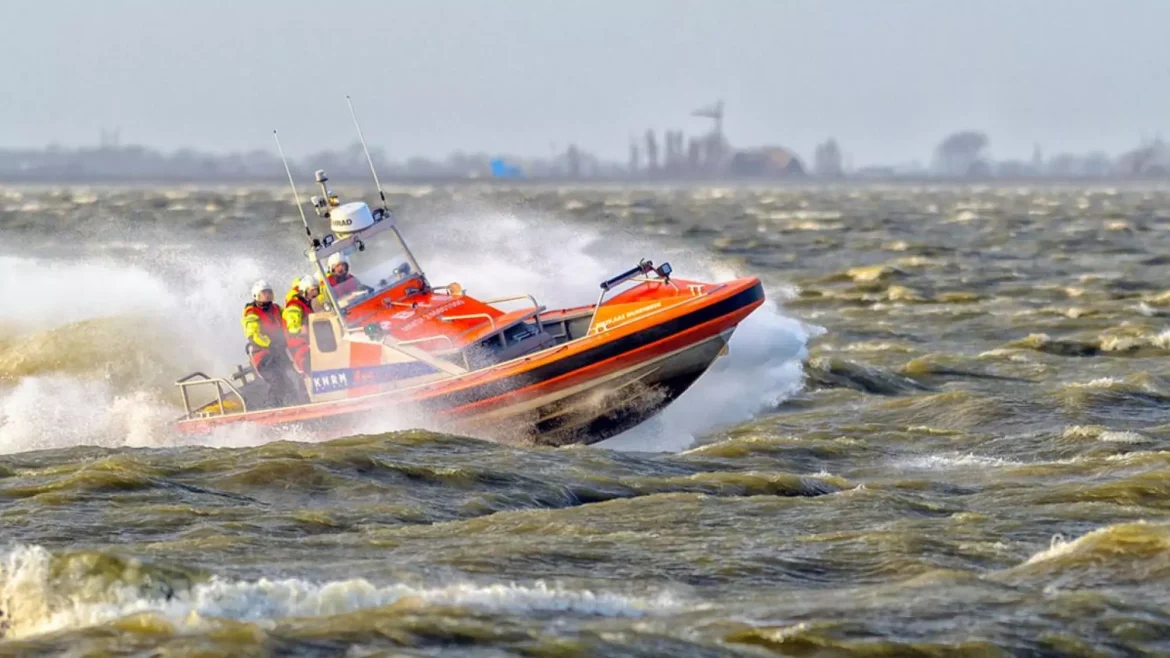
(263, 328)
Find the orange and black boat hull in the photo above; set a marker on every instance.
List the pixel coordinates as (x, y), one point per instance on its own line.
(583, 391)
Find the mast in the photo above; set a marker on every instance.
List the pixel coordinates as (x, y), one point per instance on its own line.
(382, 194)
(314, 243)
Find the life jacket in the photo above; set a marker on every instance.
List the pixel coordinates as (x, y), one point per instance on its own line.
(266, 323)
(293, 292)
(295, 315)
(344, 284)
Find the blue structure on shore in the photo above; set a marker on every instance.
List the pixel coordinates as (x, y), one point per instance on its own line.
(503, 169)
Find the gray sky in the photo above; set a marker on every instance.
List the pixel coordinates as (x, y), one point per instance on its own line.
(887, 78)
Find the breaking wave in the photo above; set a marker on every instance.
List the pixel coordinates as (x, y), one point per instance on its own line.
(41, 592)
(1113, 555)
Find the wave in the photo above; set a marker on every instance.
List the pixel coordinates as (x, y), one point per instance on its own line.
(1119, 554)
(41, 593)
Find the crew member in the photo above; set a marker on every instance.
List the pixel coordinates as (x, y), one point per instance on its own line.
(342, 282)
(266, 342)
(297, 307)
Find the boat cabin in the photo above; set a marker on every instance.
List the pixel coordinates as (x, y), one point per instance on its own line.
(384, 326)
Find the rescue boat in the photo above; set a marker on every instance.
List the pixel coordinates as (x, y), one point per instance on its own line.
(388, 339)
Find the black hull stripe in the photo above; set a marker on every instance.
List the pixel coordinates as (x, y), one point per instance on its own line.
(593, 355)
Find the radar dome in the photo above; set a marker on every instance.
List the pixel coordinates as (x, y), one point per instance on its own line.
(350, 218)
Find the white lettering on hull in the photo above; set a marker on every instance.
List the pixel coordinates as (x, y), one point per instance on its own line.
(628, 315)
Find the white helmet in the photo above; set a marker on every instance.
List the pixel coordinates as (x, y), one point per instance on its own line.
(259, 287)
(307, 283)
(335, 259)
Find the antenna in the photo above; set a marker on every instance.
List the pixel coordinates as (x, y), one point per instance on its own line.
(385, 206)
(304, 220)
(367, 150)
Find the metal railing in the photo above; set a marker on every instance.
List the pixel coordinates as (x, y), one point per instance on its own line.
(632, 274)
(643, 279)
(470, 316)
(517, 298)
(219, 382)
(514, 298)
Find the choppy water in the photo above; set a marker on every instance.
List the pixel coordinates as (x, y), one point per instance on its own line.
(946, 435)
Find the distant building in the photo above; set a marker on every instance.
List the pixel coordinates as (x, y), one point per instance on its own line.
(1151, 159)
(766, 162)
(827, 160)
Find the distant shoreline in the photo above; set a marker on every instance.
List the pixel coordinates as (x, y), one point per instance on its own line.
(460, 181)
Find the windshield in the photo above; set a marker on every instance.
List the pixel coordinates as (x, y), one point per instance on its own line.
(355, 275)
